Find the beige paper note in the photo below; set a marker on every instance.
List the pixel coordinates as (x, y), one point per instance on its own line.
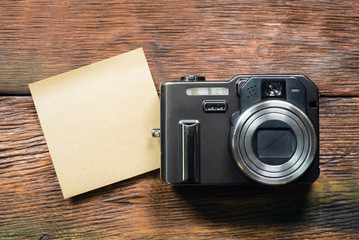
(97, 121)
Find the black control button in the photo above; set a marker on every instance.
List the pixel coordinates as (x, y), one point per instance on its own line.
(215, 106)
(192, 78)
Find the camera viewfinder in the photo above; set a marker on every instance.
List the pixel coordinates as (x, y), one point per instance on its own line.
(274, 88)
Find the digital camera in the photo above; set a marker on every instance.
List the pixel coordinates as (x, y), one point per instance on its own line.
(252, 129)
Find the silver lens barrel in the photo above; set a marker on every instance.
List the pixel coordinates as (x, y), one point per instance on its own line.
(247, 125)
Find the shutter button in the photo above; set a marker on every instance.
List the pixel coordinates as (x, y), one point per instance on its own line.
(192, 78)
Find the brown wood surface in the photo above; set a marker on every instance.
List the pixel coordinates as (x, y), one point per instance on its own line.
(218, 39)
(31, 203)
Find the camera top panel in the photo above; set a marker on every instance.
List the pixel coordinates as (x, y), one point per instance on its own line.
(249, 89)
(260, 88)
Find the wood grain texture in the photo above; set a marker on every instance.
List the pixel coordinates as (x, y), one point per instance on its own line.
(31, 204)
(218, 39)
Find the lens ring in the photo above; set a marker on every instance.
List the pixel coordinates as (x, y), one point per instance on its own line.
(244, 151)
(248, 148)
(253, 125)
(267, 175)
(272, 171)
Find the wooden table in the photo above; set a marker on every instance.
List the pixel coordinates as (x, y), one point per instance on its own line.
(218, 39)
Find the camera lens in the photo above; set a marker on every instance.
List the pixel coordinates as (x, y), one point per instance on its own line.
(273, 89)
(273, 142)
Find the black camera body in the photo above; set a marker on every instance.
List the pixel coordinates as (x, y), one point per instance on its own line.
(252, 129)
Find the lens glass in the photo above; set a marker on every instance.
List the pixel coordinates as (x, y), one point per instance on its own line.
(274, 142)
(274, 146)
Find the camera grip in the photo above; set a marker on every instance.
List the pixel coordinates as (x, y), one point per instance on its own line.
(189, 151)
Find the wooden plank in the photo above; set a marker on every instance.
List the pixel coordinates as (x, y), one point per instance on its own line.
(31, 204)
(218, 39)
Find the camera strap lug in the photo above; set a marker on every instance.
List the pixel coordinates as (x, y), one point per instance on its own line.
(156, 132)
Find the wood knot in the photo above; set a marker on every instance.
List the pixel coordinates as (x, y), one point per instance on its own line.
(263, 51)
